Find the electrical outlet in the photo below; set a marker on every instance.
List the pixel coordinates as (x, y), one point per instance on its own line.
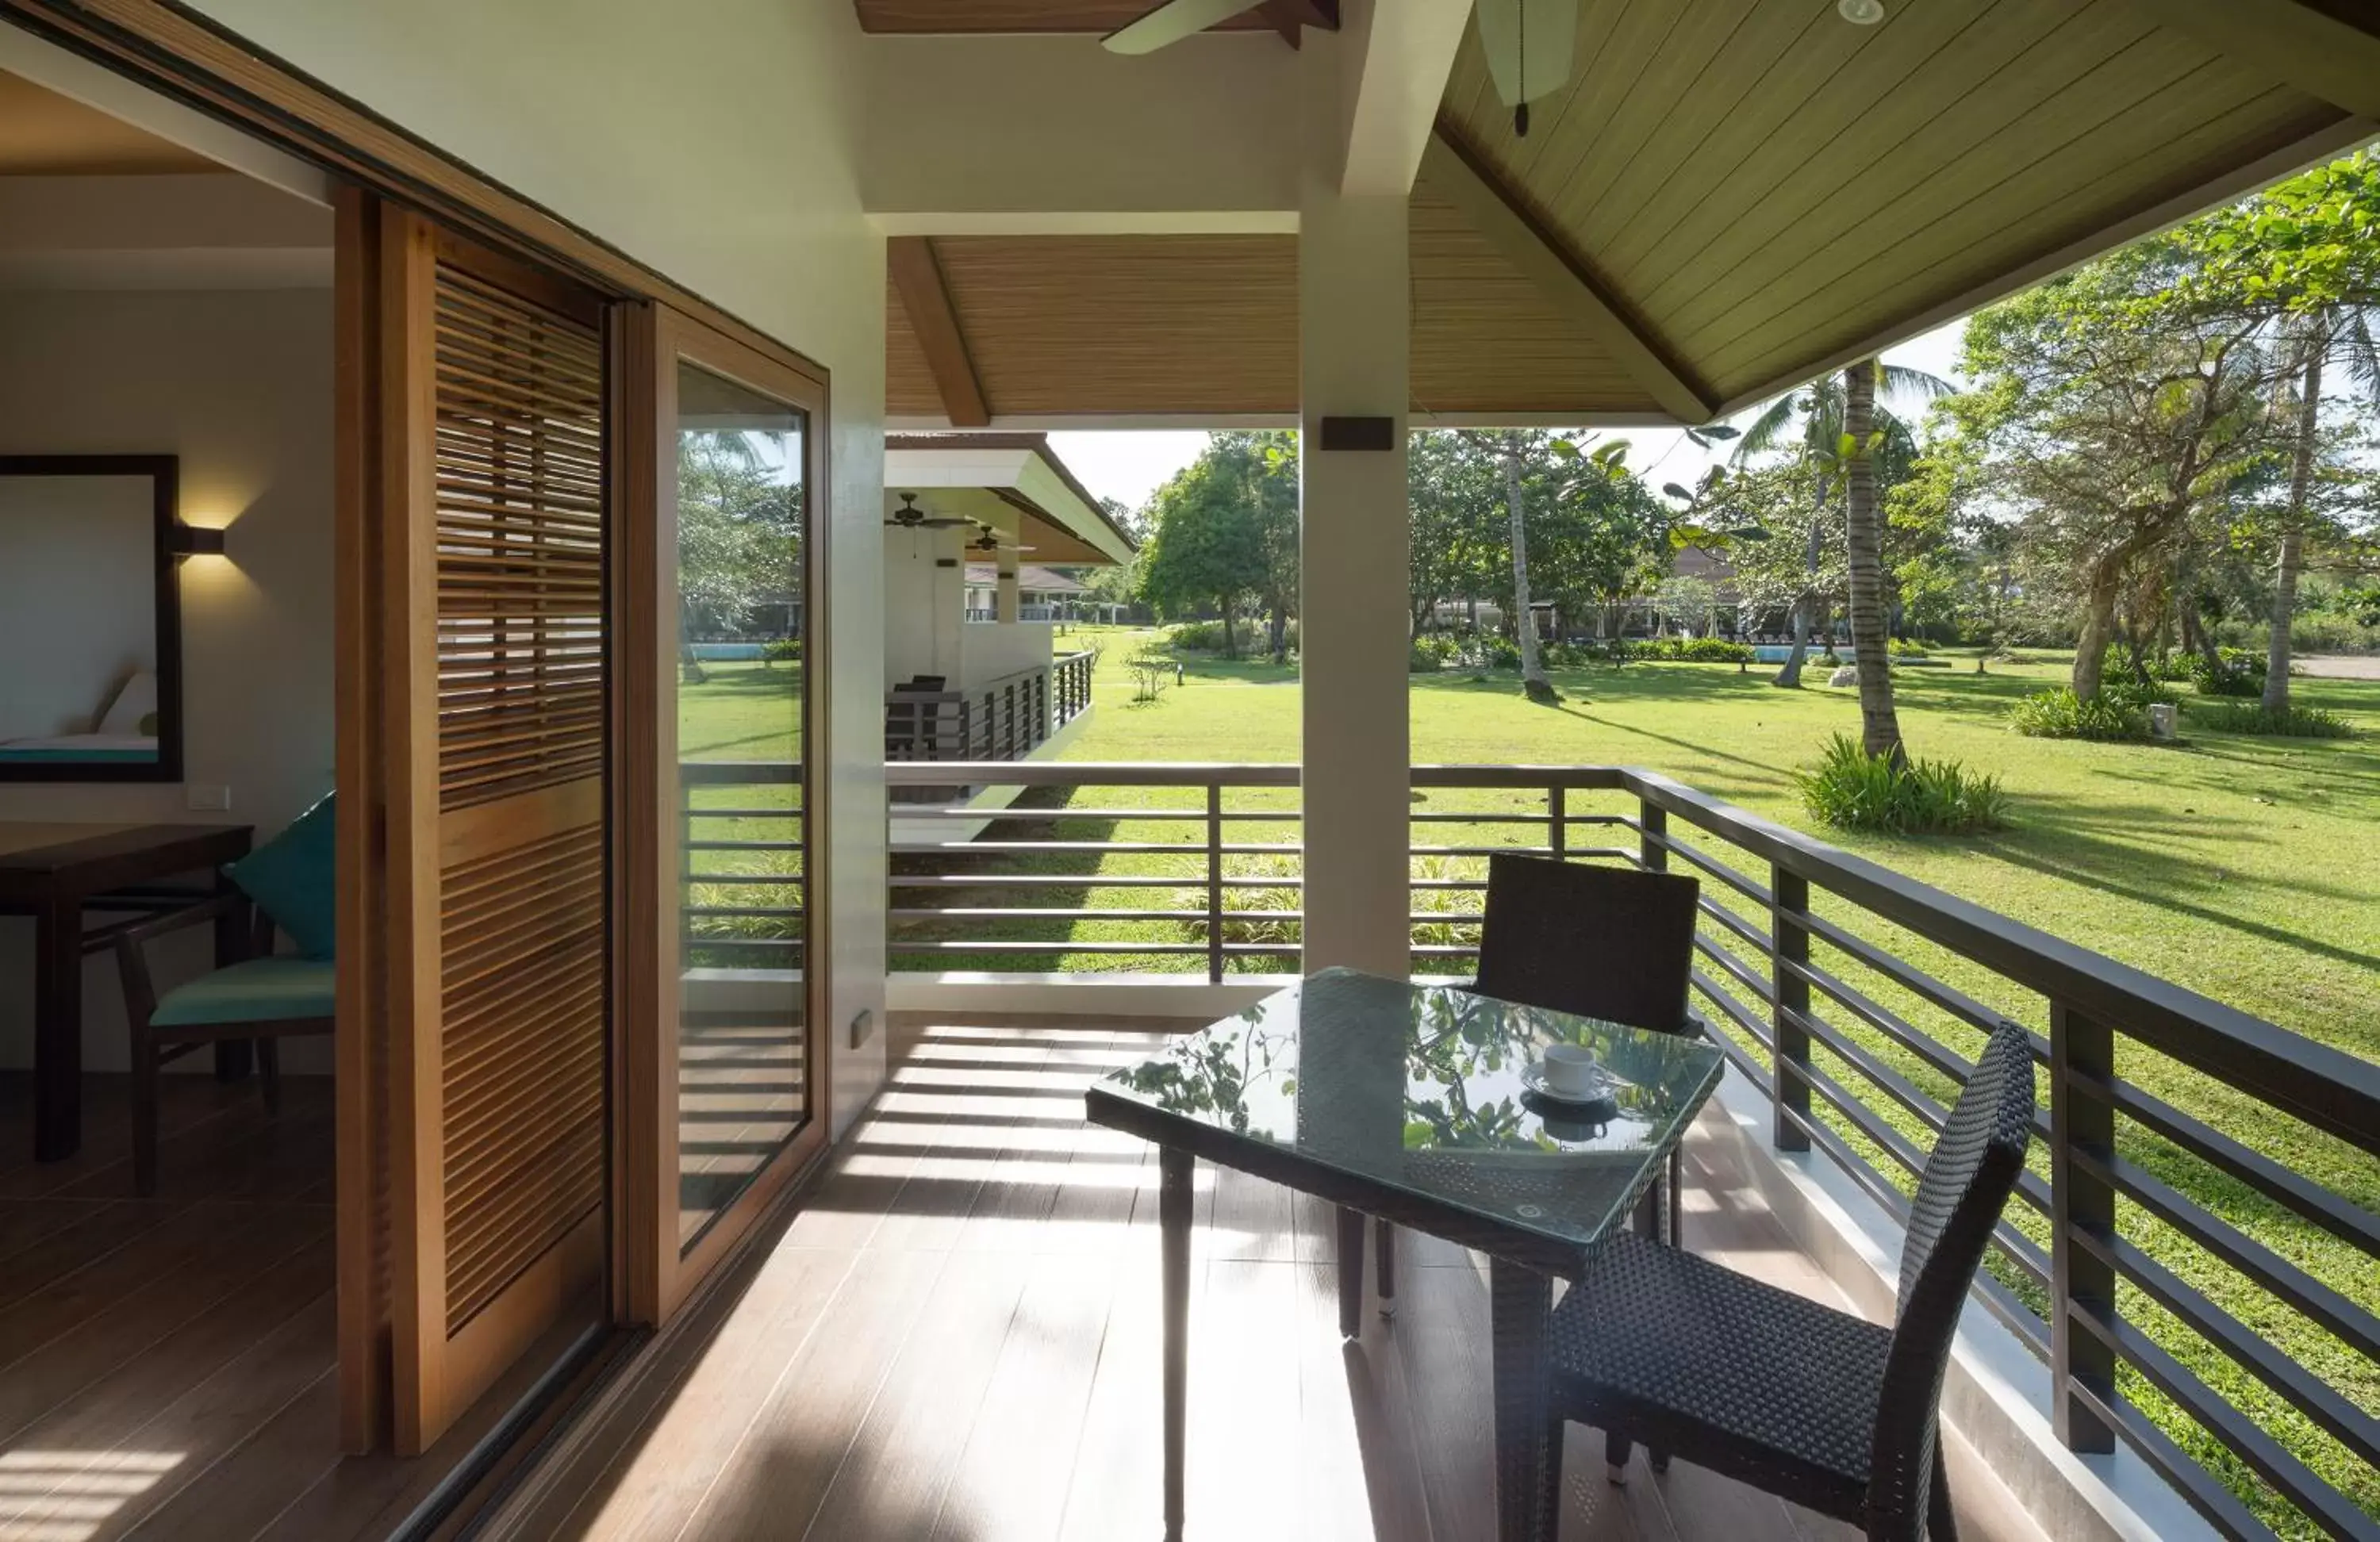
(863, 1027)
(211, 796)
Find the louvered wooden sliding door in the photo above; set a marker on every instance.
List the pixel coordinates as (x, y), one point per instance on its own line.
(494, 440)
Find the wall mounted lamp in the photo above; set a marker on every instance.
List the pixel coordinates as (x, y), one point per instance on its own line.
(194, 541)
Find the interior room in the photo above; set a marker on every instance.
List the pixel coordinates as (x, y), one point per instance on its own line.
(166, 1271)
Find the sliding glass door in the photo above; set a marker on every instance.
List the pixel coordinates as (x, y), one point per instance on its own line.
(733, 1087)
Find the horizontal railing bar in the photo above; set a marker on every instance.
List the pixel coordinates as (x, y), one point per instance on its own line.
(1949, 997)
(1737, 1012)
(693, 812)
(1088, 774)
(747, 912)
(1743, 973)
(1026, 913)
(1084, 880)
(2295, 1481)
(2307, 1392)
(705, 939)
(2286, 1186)
(1750, 888)
(2324, 1087)
(1910, 1036)
(789, 880)
(2004, 1304)
(2199, 1486)
(1133, 848)
(741, 846)
(717, 773)
(2299, 1290)
(1573, 852)
(945, 945)
(961, 811)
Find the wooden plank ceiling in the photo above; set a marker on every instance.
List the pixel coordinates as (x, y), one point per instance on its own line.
(1763, 186)
(1729, 197)
(1019, 16)
(1185, 325)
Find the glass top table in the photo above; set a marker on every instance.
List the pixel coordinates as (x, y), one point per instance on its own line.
(1409, 1103)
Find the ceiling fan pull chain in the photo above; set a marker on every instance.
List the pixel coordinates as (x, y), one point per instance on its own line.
(1521, 49)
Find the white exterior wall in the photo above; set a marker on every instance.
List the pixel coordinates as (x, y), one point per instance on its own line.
(721, 148)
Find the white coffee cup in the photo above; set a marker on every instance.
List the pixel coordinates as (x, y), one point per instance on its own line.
(1571, 1070)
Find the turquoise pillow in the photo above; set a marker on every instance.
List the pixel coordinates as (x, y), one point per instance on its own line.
(291, 877)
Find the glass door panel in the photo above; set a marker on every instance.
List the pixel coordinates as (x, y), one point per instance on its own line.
(743, 1075)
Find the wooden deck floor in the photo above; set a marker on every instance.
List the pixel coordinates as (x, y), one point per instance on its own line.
(957, 1337)
(167, 1364)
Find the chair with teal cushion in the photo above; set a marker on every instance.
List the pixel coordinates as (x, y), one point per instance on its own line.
(265, 997)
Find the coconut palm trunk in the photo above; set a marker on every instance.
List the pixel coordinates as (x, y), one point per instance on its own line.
(1864, 540)
(2291, 556)
(1533, 683)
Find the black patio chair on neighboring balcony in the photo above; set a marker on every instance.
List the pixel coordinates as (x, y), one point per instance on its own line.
(1827, 1410)
(1614, 943)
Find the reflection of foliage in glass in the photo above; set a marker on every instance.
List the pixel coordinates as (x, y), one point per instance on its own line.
(1455, 1037)
(739, 528)
(1209, 1072)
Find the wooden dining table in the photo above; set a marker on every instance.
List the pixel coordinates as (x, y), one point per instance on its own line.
(58, 873)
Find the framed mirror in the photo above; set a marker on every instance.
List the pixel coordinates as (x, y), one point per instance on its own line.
(90, 630)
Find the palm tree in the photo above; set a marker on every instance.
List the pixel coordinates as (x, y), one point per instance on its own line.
(1814, 423)
(1863, 542)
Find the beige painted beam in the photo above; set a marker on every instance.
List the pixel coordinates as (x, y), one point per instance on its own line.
(1395, 58)
(1473, 187)
(2293, 42)
(918, 278)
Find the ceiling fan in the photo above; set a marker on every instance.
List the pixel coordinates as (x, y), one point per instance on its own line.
(1529, 44)
(990, 541)
(910, 517)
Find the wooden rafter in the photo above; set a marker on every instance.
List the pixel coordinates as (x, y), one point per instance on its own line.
(2301, 45)
(1290, 18)
(918, 279)
(1498, 212)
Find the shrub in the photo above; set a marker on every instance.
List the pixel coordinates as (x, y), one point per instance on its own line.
(1853, 790)
(1905, 648)
(1197, 637)
(2060, 715)
(2240, 672)
(2293, 722)
(1499, 653)
(785, 651)
(1431, 652)
(2135, 695)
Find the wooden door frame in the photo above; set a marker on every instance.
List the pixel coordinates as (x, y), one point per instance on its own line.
(377, 165)
(650, 339)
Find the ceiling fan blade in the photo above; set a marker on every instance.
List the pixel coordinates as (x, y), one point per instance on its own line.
(1172, 22)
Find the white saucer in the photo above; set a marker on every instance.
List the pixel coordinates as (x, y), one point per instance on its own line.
(1533, 1076)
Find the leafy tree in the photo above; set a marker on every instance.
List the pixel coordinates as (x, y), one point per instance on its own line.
(1225, 531)
(2111, 418)
(739, 536)
(2306, 255)
(1686, 603)
(1460, 534)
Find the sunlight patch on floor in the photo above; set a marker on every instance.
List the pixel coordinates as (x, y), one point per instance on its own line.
(67, 1495)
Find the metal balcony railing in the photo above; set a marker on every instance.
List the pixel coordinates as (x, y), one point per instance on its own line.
(2205, 1182)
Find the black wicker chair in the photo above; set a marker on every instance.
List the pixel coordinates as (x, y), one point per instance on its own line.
(1616, 943)
(1815, 1405)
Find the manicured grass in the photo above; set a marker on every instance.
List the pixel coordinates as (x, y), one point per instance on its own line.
(743, 711)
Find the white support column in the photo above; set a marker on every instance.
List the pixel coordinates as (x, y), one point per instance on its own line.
(1004, 607)
(1353, 305)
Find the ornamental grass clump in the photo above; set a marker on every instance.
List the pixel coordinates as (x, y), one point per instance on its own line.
(1853, 790)
(2249, 717)
(2058, 714)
